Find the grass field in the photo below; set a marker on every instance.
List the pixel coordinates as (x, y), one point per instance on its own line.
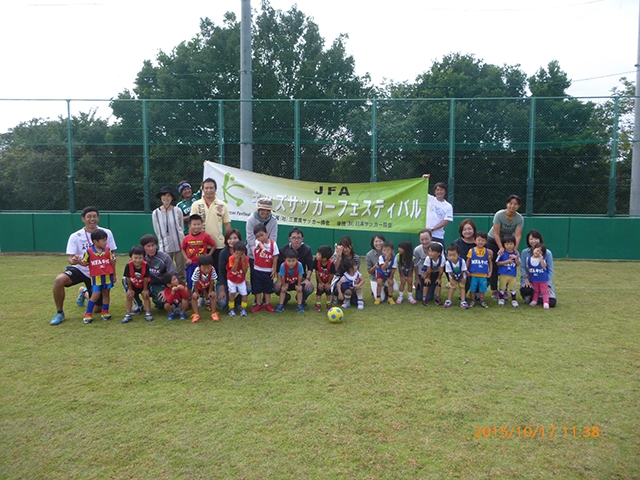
(393, 392)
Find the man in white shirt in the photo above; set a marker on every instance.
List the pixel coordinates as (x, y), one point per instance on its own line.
(439, 212)
(78, 243)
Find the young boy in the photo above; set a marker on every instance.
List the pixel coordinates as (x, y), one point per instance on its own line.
(290, 278)
(265, 269)
(385, 271)
(479, 266)
(101, 262)
(196, 243)
(176, 298)
(433, 269)
(456, 269)
(237, 269)
(538, 275)
(508, 264)
(325, 271)
(204, 280)
(136, 276)
(351, 282)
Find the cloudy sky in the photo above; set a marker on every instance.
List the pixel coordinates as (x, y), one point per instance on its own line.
(83, 49)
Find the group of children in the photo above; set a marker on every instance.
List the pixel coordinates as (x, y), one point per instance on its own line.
(454, 273)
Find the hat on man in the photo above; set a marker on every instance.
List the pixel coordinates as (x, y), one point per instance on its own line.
(164, 190)
(182, 186)
(265, 204)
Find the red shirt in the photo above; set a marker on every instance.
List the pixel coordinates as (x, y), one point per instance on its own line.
(196, 245)
(240, 274)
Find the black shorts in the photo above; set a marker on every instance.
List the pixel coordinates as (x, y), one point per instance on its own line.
(77, 277)
(322, 291)
(261, 282)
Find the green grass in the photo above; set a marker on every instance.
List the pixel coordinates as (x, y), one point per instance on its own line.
(393, 392)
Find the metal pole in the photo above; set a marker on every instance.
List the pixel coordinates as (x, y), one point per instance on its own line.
(71, 177)
(296, 139)
(532, 155)
(452, 151)
(611, 209)
(246, 114)
(220, 133)
(634, 198)
(374, 141)
(145, 157)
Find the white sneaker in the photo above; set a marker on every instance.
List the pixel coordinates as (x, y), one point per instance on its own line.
(515, 304)
(399, 300)
(412, 300)
(346, 304)
(501, 302)
(360, 305)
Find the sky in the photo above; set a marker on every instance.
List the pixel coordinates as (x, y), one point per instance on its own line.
(93, 49)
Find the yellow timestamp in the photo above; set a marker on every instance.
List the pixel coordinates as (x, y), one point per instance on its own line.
(539, 431)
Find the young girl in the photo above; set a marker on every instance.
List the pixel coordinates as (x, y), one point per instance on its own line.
(387, 266)
(538, 275)
(237, 269)
(405, 260)
(372, 262)
(351, 282)
(344, 251)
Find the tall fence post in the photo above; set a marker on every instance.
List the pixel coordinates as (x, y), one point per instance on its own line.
(296, 139)
(145, 157)
(374, 141)
(220, 133)
(452, 152)
(611, 208)
(71, 179)
(532, 154)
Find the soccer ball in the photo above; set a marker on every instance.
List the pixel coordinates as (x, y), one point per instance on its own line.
(335, 315)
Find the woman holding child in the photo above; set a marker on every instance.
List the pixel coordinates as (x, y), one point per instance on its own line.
(505, 222)
(534, 238)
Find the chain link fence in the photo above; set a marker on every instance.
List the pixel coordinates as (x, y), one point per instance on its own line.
(561, 155)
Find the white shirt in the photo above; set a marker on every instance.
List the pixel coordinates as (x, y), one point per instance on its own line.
(80, 241)
(437, 212)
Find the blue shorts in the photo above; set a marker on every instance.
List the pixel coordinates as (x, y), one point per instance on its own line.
(189, 269)
(261, 282)
(478, 284)
(103, 282)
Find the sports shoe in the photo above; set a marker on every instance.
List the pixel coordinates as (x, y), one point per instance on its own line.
(472, 304)
(215, 317)
(318, 307)
(257, 308)
(287, 297)
(269, 308)
(377, 301)
(412, 300)
(279, 308)
(545, 306)
(243, 312)
(57, 319)
(438, 301)
(232, 312)
(424, 303)
(464, 305)
(501, 302)
(447, 304)
(195, 318)
(533, 303)
(496, 295)
(136, 309)
(346, 304)
(105, 314)
(80, 300)
(88, 318)
(127, 318)
(399, 301)
(300, 308)
(183, 316)
(360, 305)
(329, 305)
(391, 301)
(171, 316)
(148, 317)
(200, 302)
(526, 299)
(483, 304)
(515, 304)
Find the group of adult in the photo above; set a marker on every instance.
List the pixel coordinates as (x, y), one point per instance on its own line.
(170, 223)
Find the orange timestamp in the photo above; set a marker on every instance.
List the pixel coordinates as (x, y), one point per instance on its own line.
(541, 431)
